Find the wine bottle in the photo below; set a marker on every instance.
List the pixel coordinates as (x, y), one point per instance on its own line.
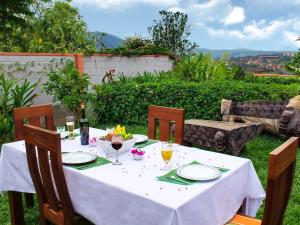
(84, 127)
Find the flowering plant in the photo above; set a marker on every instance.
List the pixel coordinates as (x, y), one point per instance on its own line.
(137, 151)
(93, 142)
(118, 131)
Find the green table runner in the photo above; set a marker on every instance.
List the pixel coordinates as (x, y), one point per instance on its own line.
(167, 177)
(99, 162)
(145, 143)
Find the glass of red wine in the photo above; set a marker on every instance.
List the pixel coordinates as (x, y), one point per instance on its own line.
(116, 143)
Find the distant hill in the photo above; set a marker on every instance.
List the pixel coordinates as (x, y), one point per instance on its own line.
(237, 52)
(109, 40)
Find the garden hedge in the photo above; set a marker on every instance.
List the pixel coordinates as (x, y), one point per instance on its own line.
(273, 80)
(127, 103)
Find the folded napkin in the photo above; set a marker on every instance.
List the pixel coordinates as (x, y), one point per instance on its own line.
(98, 162)
(145, 143)
(179, 180)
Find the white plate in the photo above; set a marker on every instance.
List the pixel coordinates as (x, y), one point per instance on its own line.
(75, 158)
(140, 138)
(198, 172)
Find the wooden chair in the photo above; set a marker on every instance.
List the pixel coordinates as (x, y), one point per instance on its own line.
(43, 146)
(282, 163)
(33, 116)
(166, 116)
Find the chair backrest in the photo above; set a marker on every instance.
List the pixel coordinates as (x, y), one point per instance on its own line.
(33, 115)
(282, 163)
(43, 149)
(165, 116)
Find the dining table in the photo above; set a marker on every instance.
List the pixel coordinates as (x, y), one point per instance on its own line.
(134, 194)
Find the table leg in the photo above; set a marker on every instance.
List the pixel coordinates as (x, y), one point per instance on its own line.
(16, 208)
(29, 200)
(242, 209)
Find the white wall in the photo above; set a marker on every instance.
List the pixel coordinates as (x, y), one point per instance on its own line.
(36, 67)
(33, 68)
(97, 66)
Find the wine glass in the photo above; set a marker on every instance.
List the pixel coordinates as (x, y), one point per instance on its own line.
(70, 122)
(116, 143)
(61, 129)
(166, 153)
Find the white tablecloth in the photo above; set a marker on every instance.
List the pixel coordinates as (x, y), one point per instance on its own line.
(130, 194)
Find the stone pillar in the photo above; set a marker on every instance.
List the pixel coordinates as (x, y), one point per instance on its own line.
(79, 63)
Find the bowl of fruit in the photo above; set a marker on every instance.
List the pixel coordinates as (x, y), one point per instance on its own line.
(105, 142)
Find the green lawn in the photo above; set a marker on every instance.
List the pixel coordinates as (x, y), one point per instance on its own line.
(256, 150)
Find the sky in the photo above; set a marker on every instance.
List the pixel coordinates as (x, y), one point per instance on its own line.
(215, 24)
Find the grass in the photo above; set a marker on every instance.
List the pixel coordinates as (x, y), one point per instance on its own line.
(257, 150)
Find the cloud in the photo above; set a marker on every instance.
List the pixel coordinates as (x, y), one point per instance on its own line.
(215, 11)
(272, 4)
(263, 29)
(247, 21)
(226, 33)
(220, 11)
(290, 38)
(253, 30)
(217, 17)
(286, 31)
(176, 9)
(237, 15)
(209, 11)
(120, 4)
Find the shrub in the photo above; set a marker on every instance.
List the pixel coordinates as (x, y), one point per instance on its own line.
(294, 65)
(203, 67)
(239, 73)
(136, 42)
(146, 77)
(68, 86)
(137, 46)
(273, 80)
(13, 94)
(128, 103)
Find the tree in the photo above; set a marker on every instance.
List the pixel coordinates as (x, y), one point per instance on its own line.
(172, 32)
(13, 14)
(294, 65)
(68, 86)
(43, 26)
(60, 29)
(15, 22)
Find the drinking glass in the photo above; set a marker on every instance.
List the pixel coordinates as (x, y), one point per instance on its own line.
(116, 143)
(61, 129)
(109, 135)
(70, 122)
(166, 153)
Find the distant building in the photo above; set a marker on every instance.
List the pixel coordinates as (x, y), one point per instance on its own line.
(288, 54)
(269, 56)
(270, 64)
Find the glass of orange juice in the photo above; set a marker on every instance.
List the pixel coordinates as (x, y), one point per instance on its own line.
(166, 153)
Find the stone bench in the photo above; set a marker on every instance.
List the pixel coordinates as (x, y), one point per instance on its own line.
(279, 118)
(226, 137)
